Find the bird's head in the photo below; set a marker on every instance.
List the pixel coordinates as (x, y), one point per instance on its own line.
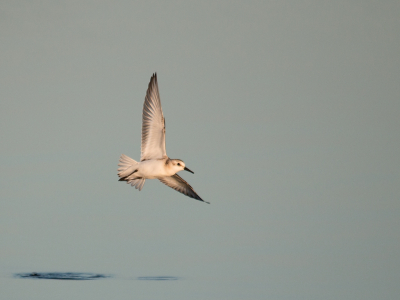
(178, 165)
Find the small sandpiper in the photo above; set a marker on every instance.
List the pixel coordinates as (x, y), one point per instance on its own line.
(154, 162)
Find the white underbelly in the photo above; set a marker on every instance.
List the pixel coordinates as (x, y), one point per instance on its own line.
(151, 169)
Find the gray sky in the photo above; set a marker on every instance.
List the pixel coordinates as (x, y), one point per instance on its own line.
(287, 112)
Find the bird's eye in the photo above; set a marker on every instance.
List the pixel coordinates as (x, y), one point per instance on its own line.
(179, 164)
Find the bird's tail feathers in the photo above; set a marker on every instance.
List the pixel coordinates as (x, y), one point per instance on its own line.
(126, 172)
(126, 166)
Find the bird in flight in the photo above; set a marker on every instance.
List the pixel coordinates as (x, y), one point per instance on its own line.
(154, 162)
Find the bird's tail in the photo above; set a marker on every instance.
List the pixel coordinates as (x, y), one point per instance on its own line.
(126, 172)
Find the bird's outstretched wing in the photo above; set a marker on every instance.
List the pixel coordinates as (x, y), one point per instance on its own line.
(177, 183)
(153, 124)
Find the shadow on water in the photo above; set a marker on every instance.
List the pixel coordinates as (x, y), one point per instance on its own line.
(62, 276)
(158, 278)
(85, 276)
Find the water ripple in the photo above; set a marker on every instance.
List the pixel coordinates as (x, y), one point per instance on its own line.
(157, 278)
(62, 276)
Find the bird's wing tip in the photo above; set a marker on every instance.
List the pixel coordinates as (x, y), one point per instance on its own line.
(202, 200)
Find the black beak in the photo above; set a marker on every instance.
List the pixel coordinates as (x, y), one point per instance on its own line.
(186, 169)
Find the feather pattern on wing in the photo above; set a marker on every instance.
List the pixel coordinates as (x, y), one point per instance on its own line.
(153, 124)
(179, 184)
(138, 183)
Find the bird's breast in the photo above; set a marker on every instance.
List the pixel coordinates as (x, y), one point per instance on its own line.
(152, 169)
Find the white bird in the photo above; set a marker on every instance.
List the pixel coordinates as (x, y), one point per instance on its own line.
(154, 162)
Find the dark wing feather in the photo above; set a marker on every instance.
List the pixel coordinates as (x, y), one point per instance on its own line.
(177, 183)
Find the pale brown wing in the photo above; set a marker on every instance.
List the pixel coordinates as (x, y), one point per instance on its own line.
(153, 124)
